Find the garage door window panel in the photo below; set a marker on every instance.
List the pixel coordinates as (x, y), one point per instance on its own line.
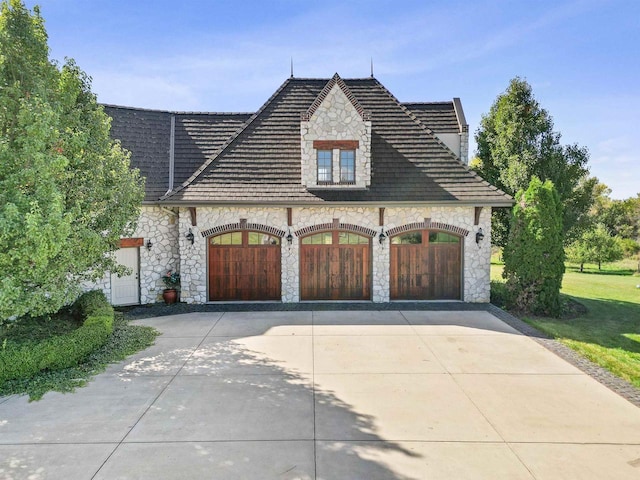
(244, 265)
(335, 265)
(425, 265)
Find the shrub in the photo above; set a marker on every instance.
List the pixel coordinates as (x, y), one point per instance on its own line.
(26, 359)
(91, 303)
(534, 254)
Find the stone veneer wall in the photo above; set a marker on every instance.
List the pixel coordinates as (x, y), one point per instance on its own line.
(161, 228)
(464, 146)
(336, 119)
(193, 258)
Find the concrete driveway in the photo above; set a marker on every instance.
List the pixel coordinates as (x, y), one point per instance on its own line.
(328, 395)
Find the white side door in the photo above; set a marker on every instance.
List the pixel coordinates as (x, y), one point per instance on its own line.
(125, 290)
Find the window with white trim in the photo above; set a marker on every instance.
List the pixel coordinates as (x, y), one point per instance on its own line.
(325, 160)
(347, 166)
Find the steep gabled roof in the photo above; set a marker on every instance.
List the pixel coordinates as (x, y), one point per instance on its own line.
(261, 162)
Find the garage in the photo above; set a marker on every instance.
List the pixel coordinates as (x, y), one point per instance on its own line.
(244, 265)
(335, 265)
(425, 265)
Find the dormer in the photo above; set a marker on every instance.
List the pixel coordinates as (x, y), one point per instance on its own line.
(335, 139)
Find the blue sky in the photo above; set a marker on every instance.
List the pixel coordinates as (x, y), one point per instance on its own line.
(581, 57)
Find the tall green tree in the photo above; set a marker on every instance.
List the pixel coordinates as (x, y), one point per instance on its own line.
(534, 254)
(516, 141)
(67, 193)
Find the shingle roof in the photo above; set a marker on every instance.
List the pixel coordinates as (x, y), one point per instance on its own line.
(262, 162)
(198, 136)
(146, 134)
(440, 117)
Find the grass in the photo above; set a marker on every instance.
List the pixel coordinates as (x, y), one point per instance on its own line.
(125, 341)
(609, 333)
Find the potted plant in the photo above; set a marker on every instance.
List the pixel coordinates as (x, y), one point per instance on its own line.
(171, 280)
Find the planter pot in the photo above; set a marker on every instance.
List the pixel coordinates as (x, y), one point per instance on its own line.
(170, 295)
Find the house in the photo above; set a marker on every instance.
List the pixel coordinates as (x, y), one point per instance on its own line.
(332, 190)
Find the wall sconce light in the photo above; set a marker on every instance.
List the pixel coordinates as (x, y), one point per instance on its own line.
(190, 237)
(479, 236)
(149, 244)
(382, 237)
(289, 238)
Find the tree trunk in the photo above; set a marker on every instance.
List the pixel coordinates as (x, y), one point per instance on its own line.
(581, 267)
(599, 265)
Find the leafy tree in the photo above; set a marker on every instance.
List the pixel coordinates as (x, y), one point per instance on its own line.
(629, 247)
(595, 246)
(516, 141)
(620, 217)
(534, 255)
(67, 193)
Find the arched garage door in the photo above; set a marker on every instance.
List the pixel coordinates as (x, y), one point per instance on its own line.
(425, 265)
(335, 265)
(244, 265)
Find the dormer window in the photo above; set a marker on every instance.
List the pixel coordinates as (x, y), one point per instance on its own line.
(325, 172)
(335, 140)
(347, 166)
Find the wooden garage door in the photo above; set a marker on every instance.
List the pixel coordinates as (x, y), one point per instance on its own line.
(335, 266)
(425, 265)
(244, 266)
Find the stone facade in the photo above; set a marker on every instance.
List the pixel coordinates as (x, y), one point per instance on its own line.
(172, 250)
(336, 119)
(193, 258)
(161, 227)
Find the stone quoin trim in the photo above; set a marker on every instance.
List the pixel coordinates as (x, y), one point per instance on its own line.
(427, 225)
(243, 225)
(347, 227)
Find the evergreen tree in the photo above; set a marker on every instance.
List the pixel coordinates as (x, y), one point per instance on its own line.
(67, 193)
(534, 255)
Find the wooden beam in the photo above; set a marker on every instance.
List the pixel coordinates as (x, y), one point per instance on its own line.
(289, 216)
(131, 242)
(194, 220)
(381, 216)
(336, 144)
(476, 220)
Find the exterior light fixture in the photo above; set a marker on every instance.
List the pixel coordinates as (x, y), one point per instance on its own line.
(382, 237)
(190, 237)
(149, 244)
(479, 236)
(289, 238)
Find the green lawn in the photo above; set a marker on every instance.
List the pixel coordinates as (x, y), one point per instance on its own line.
(609, 334)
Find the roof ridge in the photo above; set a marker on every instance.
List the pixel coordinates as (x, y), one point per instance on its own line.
(325, 79)
(335, 80)
(138, 109)
(224, 146)
(440, 102)
(186, 112)
(172, 112)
